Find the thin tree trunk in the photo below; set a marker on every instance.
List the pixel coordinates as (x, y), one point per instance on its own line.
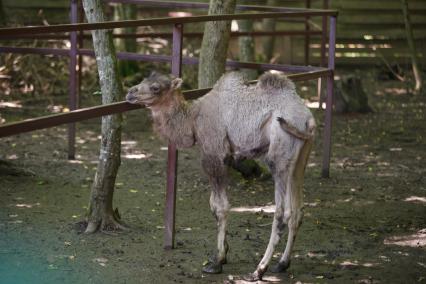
(2, 15)
(101, 215)
(126, 12)
(246, 46)
(269, 26)
(215, 44)
(412, 46)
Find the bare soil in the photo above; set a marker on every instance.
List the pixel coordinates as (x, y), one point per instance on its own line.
(366, 224)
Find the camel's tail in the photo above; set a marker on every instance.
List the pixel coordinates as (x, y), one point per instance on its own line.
(304, 135)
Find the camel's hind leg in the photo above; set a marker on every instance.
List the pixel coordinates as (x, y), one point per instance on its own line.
(294, 201)
(282, 159)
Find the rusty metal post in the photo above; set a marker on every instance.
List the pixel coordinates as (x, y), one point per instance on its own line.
(323, 45)
(329, 99)
(170, 208)
(307, 35)
(81, 18)
(72, 80)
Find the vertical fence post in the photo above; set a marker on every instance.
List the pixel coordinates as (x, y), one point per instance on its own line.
(170, 208)
(81, 18)
(72, 80)
(307, 35)
(323, 45)
(329, 100)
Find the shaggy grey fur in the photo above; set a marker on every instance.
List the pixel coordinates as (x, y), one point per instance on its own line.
(236, 120)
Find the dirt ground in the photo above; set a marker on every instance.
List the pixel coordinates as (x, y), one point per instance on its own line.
(366, 224)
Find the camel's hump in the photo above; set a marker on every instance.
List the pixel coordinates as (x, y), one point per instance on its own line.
(275, 81)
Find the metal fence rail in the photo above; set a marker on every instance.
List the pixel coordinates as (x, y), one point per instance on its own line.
(176, 60)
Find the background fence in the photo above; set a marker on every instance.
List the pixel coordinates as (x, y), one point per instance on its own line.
(367, 29)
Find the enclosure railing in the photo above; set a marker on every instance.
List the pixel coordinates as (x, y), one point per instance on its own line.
(176, 60)
(77, 50)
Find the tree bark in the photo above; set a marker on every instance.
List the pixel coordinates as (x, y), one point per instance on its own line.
(126, 12)
(247, 48)
(101, 215)
(215, 42)
(269, 26)
(412, 46)
(2, 15)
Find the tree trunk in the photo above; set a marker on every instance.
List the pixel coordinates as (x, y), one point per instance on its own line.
(269, 26)
(215, 44)
(126, 12)
(350, 95)
(2, 15)
(101, 215)
(412, 46)
(247, 49)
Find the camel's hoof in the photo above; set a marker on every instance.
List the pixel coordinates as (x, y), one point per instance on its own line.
(214, 259)
(252, 277)
(280, 267)
(213, 267)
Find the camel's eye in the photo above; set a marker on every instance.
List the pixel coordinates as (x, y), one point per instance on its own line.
(155, 88)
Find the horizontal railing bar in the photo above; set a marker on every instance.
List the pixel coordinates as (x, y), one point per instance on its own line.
(63, 118)
(201, 5)
(162, 58)
(196, 93)
(35, 50)
(93, 112)
(158, 21)
(165, 35)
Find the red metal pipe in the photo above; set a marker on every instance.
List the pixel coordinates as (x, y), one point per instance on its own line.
(307, 36)
(165, 35)
(72, 104)
(329, 102)
(323, 51)
(92, 112)
(63, 118)
(160, 21)
(162, 58)
(170, 209)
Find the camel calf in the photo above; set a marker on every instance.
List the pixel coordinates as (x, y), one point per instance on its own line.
(234, 121)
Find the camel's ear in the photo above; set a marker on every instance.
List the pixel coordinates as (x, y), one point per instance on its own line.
(176, 83)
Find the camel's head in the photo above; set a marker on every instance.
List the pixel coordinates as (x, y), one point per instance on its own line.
(154, 89)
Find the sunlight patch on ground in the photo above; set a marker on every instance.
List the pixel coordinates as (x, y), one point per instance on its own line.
(130, 153)
(396, 91)
(129, 142)
(14, 104)
(24, 205)
(136, 156)
(312, 254)
(345, 200)
(179, 14)
(415, 199)
(254, 209)
(315, 105)
(349, 263)
(265, 279)
(414, 240)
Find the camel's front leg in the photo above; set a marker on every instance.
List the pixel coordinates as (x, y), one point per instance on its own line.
(219, 206)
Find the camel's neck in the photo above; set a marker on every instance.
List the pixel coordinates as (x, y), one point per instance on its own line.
(174, 120)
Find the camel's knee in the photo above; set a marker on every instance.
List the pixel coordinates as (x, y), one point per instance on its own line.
(219, 205)
(293, 218)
